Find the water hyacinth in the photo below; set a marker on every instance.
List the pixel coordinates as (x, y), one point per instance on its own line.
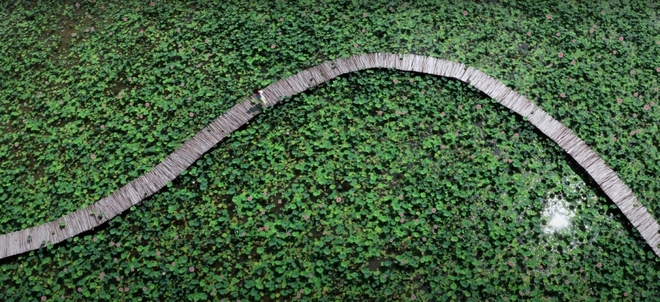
(345, 152)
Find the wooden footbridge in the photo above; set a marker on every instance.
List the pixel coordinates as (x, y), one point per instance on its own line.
(144, 186)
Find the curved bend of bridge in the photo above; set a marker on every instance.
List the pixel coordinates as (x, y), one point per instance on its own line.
(144, 186)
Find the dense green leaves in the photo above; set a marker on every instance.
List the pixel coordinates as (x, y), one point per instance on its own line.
(360, 187)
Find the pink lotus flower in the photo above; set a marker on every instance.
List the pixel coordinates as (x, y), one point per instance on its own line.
(249, 198)
(43, 298)
(77, 5)
(465, 13)
(191, 114)
(599, 265)
(620, 38)
(380, 112)
(400, 197)
(442, 113)
(121, 289)
(632, 72)
(614, 51)
(529, 33)
(636, 94)
(510, 264)
(272, 46)
(548, 16)
(411, 80)
(355, 45)
(433, 210)
(125, 19)
(591, 30)
(364, 30)
(573, 40)
(657, 69)
(573, 62)
(562, 95)
(634, 114)
(558, 34)
(73, 34)
(146, 104)
(93, 156)
(338, 199)
(207, 41)
(153, 3)
(178, 30)
(395, 81)
(561, 54)
(364, 15)
(182, 85)
(191, 269)
(79, 290)
(91, 28)
(619, 100)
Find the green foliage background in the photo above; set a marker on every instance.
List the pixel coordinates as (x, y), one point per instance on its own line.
(439, 200)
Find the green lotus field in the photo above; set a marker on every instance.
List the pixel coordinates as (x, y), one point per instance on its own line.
(379, 185)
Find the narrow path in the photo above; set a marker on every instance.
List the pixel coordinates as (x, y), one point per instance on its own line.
(129, 195)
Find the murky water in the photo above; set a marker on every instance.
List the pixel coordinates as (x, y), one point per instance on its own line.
(557, 210)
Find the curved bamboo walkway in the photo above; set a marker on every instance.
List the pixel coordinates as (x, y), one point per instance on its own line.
(144, 186)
